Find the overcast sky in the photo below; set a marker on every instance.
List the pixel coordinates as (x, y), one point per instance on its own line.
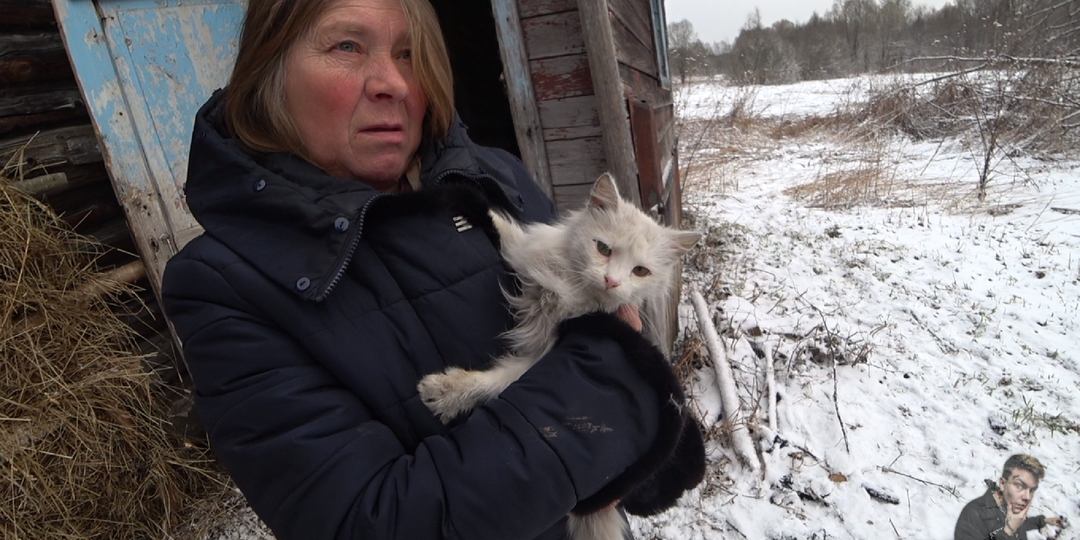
(720, 20)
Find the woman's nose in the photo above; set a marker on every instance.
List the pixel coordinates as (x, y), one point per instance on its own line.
(384, 80)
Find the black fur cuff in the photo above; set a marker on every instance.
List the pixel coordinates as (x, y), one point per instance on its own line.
(676, 460)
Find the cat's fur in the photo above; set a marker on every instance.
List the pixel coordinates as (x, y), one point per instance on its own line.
(595, 259)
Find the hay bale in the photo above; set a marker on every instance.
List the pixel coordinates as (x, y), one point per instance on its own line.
(85, 449)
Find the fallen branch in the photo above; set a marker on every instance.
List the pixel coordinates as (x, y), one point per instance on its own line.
(836, 405)
(725, 380)
(949, 489)
(770, 383)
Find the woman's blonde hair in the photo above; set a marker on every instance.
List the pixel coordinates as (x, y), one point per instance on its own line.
(254, 108)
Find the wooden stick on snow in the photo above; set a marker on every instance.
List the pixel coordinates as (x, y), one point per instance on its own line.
(729, 399)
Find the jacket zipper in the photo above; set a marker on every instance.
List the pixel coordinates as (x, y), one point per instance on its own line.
(355, 241)
(476, 178)
(353, 244)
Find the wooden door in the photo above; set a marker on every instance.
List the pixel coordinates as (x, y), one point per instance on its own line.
(144, 68)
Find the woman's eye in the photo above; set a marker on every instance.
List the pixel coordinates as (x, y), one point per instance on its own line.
(347, 46)
(603, 248)
(406, 54)
(641, 271)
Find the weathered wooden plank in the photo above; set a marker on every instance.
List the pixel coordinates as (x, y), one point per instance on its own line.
(572, 196)
(636, 17)
(570, 133)
(647, 153)
(534, 8)
(28, 57)
(577, 161)
(59, 180)
(75, 145)
(24, 122)
(562, 77)
(570, 118)
(614, 119)
(665, 124)
(553, 35)
(26, 13)
(569, 112)
(519, 83)
(144, 67)
(34, 69)
(644, 86)
(631, 52)
(19, 43)
(39, 99)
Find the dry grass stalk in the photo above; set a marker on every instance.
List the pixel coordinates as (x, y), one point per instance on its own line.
(85, 450)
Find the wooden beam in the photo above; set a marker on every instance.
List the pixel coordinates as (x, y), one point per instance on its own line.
(611, 101)
(39, 99)
(647, 150)
(26, 13)
(527, 127)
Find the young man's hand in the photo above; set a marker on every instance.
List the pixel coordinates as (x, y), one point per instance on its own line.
(1013, 521)
(1055, 521)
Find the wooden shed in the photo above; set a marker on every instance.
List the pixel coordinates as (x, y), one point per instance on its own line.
(573, 87)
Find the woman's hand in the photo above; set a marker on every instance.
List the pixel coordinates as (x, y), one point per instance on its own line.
(628, 313)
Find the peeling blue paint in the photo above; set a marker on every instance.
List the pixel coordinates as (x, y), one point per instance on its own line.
(144, 68)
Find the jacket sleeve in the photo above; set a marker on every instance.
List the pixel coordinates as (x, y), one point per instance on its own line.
(969, 526)
(315, 463)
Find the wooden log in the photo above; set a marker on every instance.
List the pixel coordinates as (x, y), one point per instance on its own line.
(521, 93)
(27, 122)
(129, 273)
(28, 57)
(725, 379)
(75, 145)
(38, 99)
(39, 185)
(611, 99)
(26, 13)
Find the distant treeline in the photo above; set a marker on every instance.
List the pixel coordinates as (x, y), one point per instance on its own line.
(860, 36)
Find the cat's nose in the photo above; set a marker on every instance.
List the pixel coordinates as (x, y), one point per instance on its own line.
(610, 283)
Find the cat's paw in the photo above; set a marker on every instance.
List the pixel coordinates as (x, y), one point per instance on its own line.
(447, 394)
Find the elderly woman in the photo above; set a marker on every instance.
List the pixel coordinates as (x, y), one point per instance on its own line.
(339, 266)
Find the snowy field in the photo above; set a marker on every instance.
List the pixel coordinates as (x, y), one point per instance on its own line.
(920, 336)
(942, 332)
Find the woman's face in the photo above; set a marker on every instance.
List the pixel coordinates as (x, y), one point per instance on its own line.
(352, 94)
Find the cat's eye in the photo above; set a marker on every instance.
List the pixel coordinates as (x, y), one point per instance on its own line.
(603, 248)
(641, 271)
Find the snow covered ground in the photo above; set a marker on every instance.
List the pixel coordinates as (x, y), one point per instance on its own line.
(921, 336)
(942, 332)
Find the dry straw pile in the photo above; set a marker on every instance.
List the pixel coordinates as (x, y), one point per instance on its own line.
(85, 450)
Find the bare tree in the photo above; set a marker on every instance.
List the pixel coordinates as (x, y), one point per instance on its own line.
(681, 37)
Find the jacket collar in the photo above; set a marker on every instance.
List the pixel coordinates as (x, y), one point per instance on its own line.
(294, 222)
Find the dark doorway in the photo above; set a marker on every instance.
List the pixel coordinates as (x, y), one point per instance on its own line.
(479, 93)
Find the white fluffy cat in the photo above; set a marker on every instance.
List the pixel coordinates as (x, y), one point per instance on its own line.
(595, 259)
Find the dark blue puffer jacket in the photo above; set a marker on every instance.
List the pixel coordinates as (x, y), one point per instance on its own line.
(312, 306)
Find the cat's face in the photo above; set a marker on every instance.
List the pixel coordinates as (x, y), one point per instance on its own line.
(621, 254)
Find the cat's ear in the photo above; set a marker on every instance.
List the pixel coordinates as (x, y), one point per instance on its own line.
(604, 194)
(682, 241)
